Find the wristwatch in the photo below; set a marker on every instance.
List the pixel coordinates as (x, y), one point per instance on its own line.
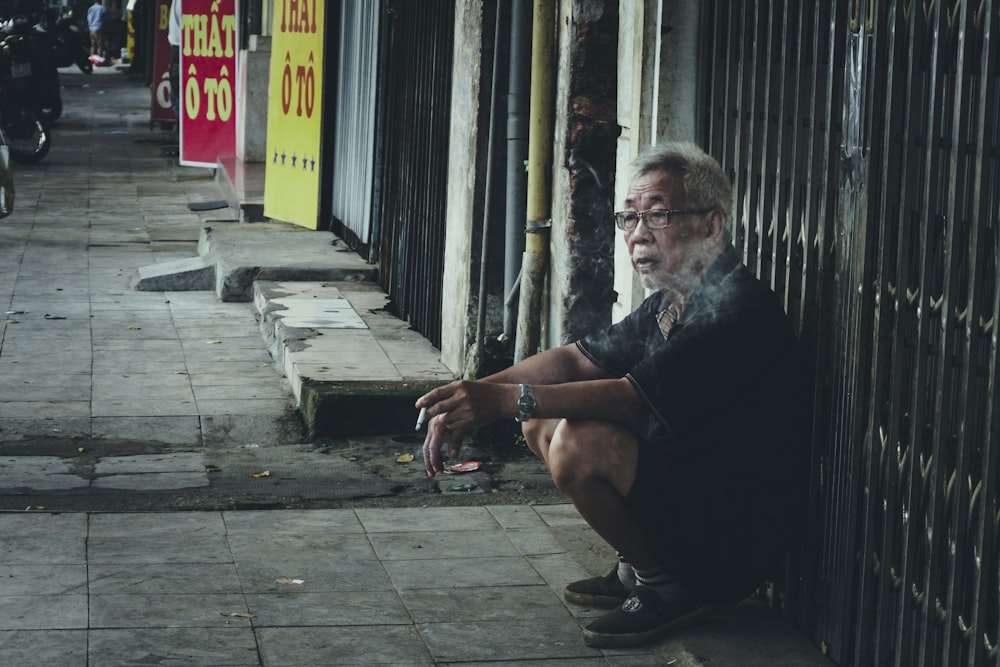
(526, 404)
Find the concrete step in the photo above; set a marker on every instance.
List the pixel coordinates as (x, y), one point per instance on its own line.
(232, 255)
(355, 368)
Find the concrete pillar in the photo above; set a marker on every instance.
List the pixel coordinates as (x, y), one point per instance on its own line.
(252, 125)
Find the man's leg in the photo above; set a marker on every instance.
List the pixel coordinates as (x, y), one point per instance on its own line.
(595, 465)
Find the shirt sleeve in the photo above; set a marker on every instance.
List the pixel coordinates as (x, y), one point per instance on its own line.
(622, 345)
(715, 364)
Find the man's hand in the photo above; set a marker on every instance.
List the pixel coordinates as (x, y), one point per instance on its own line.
(454, 409)
(437, 435)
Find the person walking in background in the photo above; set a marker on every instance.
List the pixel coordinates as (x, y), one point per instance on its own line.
(174, 37)
(95, 23)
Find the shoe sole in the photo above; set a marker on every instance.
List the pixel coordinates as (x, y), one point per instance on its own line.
(597, 601)
(603, 640)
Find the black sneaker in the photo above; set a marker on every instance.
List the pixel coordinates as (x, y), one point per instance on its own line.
(643, 617)
(605, 592)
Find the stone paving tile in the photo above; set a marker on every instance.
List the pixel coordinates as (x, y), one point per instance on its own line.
(482, 603)
(50, 377)
(198, 610)
(41, 410)
(530, 639)
(462, 573)
(312, 546)
(131, 361)
(368, 645)
(20, 428)
(173, 647)
(293, 522)
(177, 429)
(43, 580)
(148, 463)
(320, 573)
(28, 391)
(43, 647)
(425, 519)
(410, 546)
(366, 607)
(253, 406)
(143, 408)
(43, 612)
(161, 578)
(161, 481)
(249, 390)
(61, 537)
(141, 386)
(39, 473)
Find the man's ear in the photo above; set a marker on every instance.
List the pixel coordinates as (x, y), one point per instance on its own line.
(715, 225)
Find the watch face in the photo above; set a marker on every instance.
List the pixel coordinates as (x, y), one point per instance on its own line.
(526, 402)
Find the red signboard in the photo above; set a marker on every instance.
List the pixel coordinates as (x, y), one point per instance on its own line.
(160, 111)
(209, 49)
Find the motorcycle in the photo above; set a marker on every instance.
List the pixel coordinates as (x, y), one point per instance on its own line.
(28, 68)
(68, 40)
(28, 137)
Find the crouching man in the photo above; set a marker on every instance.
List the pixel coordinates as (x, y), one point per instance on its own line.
(677, 432)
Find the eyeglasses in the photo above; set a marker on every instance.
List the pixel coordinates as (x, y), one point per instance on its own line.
(655, 218)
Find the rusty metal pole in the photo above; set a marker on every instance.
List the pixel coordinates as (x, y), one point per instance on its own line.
(534, 262)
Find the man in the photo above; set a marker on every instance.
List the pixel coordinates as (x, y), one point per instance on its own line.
(95, 23)
(676, 433)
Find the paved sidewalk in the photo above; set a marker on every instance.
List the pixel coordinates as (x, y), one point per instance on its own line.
(82, 354)
(109, 394)
(416, 586)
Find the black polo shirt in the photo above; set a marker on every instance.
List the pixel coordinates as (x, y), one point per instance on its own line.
(726, 385)
(721, 468)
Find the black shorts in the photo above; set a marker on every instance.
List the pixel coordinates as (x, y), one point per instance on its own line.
(719, 544)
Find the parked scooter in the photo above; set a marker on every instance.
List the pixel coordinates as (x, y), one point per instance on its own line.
(27, 136)
(28, 68)
(68, 40)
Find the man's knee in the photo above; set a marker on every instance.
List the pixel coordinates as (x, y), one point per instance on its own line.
(536, 434)
(583, 451)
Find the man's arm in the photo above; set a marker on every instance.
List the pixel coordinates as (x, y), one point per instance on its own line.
(567, 386)
(482, 404)
(559, 364)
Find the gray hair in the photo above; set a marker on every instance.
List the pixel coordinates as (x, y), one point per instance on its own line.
(705, 183)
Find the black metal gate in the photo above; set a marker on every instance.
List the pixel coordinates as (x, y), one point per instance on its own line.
(412, 188)
(863, 138)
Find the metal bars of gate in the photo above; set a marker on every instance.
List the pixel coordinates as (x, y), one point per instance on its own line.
(864, 143)
(354, 141)
(415, 160)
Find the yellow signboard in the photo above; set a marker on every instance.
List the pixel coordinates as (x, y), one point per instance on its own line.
(291, 177)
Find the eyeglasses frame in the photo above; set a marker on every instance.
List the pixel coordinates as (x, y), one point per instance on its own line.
(669, 212)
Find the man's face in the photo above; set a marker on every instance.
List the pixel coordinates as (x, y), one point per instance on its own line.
(670, 258)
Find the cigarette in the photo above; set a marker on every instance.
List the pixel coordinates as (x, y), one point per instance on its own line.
(420, 419)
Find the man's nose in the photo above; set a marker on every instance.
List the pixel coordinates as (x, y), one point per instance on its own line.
(640, 233)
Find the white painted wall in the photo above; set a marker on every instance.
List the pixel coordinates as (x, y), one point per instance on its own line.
(657, 91)
(457, 321)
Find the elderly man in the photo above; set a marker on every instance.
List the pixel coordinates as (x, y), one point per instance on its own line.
(677, 432)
